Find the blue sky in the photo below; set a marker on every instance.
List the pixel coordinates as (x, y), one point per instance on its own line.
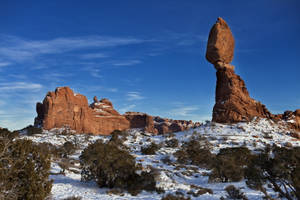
(146, 56)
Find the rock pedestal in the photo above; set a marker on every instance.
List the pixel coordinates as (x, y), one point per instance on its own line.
(233, 102)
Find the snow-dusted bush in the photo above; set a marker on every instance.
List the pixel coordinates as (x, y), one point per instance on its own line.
(150, 149)
(234, 193)
(172, 143)
(113, 167)
(5, 133)
(175, 197)
(229, 164)
(31, 130)
(280, 168)
(195, 152)
(24, 170)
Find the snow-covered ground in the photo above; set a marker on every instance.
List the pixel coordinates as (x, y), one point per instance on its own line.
(254, 135)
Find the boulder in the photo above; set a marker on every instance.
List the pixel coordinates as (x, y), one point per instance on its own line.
(220, 45)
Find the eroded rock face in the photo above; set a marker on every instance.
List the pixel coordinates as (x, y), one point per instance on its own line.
(158, 125)
(220, 45)
(233, 103)
(64, 108)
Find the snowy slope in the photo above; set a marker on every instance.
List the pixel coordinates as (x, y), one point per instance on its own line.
(172, 177)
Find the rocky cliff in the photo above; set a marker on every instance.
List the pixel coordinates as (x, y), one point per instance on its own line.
(64, 108)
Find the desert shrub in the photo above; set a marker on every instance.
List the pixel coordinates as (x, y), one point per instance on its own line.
(24, 170)
(196, 153)
(68, 148)
(280, 167)
(150, 149)
(172, 143)
(5, 133)
(229, 164)
(73, 198)
(234, 193)
(175, 197)
(113, 167)
(199, 191)
(31, 130)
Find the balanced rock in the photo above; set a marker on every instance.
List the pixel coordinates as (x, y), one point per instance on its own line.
(64, 108)
(220, 45)
(233, 103)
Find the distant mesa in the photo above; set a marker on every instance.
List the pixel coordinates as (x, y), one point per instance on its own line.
(232, 100)
(64, 108)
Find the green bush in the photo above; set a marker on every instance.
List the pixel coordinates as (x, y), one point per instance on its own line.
(5, 133)
(175, 197)
(24, 170)
(280, 168)
(194, 152)
(229, 164)
(73, 198)
(151, 149)
(67, 149)
(234, 193)
(32, 130)
(113, 167)
(172, 143)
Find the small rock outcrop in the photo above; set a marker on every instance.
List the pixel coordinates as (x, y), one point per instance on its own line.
(158, 125)
(139, 120)
(64, 108)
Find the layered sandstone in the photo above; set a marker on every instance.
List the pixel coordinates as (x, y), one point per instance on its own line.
(233, 103)
(158, 125)
(64, 108)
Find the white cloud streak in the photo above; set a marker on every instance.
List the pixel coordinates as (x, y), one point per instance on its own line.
(127, 108)
(134, 96)
(19, 86)
(19, 49)
(4, 64)
(93, 55)
(184, 111)
(127, 63)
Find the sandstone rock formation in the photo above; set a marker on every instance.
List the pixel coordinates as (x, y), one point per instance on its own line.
(158, 125)
(220, 45)
(233, 103)
(64, 108)
(138, 120)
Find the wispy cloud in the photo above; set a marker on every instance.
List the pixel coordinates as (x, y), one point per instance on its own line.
(19, 86)
(127, 108)
(184, 111)
(4, 64)
(93, 55)
(133, 96)
(127, 63)
(20, 49)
